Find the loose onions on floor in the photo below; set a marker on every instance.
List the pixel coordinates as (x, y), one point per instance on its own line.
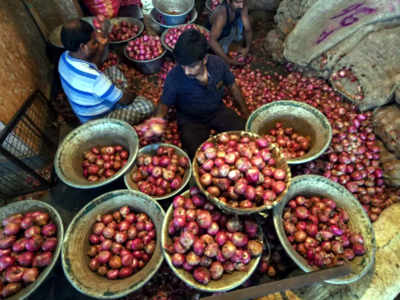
(27, 243)
(208, 243)
(121, 243)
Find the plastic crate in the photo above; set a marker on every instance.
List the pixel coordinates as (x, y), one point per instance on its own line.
(27, 148)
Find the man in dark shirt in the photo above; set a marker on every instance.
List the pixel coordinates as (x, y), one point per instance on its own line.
(195, 87)
(230, 22)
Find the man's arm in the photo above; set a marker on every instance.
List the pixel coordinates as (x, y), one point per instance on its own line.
(237, 96)
(216, 30)
(161, 110)
(248, 32)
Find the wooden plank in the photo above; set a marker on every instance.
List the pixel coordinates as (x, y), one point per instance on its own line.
(282, 285)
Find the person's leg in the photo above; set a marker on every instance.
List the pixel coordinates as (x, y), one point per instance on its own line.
(227, 41)
(227, 120)
(192, 134)
(134, 113)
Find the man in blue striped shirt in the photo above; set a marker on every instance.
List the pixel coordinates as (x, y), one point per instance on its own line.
(91, 94)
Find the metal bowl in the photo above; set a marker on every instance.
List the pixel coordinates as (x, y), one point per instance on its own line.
(151, 149)
(75, 260)
(226, 283)
(313, 185)
(68, 159)
(25, 206)
(150, 66)
(303, 118)
(163, 35)
(134, 21)
(174, 12)
(160, 27)
(280, 162)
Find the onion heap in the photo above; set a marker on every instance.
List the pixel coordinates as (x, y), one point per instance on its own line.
(27, 243)
(208, 243)
(240, 58)
(160, 174)
(173, 34)
(319, 231)
(292, 144)
(123, 31)
(112, 60)
(352, 133)
(102, 163)
(240, 171)
(146, 47)
(121, 243)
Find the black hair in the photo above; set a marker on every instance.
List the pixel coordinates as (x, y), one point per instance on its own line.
(75, 34)
(191, 47)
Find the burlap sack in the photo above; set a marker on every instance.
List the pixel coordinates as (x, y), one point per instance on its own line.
(386, 122)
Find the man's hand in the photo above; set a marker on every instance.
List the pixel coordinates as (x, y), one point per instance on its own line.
(244, 51)
(235, 62)
(155, 127)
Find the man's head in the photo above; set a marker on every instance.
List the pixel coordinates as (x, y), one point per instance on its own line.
(191, 52)
(236, 4)
(79, 36)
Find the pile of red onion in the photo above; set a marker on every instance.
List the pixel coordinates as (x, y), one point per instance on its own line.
(123, 31)
(27, 243)
(208, 243)
(173, 34)
(292, 144)
(122, 242)
(160, 174)
(104, 162)
(319, 231)
(240, 58)
(112, 60)
(145, 47)
(240, 171)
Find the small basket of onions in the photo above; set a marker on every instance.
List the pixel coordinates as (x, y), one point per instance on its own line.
(241, 172)
(160, 171)
(320, 224)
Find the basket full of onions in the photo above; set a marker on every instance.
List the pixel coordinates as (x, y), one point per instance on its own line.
(31, 235)
(160, 171)
(112, 246)
(320, 224)
(146, 53)
(301, 131)
(206, 248)
(125, 29)
(170, 36)
(96, 153)
(241, 172)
